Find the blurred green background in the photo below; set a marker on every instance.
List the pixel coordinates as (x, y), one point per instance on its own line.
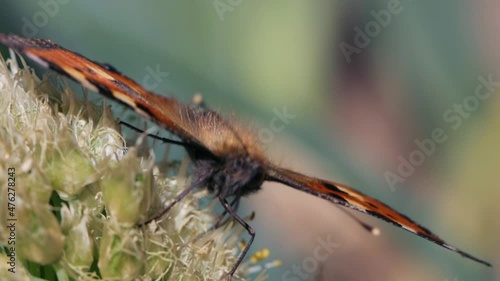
(360, 103)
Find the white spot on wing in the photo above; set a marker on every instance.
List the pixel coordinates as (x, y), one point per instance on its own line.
(38, 60)
(78, 76)
(409, 229)
(102, 73)
(125, 99)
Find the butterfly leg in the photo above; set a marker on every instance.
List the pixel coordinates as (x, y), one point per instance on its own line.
(178, 198)
(248, 228)
(235, 204)
(219, 223)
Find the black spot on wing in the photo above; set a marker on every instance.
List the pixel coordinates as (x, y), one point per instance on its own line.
(87, 70)
(333, 187)
(433, 238)
(407, 218)
(90, 70)
(144, 109)
(384, 218)
(125, 89)
(108, 67)
(58, 69)
(332, 197)
(372, 205)
(427, 231)
(103, 90)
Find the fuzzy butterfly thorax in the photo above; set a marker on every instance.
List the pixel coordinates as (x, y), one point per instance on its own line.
(233, 164)
(221, 136)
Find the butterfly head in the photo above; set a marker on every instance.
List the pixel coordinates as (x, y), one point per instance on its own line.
(235, 175)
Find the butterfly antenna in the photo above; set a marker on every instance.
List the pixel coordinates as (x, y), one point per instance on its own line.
(375, 231)
(165, 140)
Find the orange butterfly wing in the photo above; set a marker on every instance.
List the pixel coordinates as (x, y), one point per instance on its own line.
(167, 112)
(348, 197)
(204, 129)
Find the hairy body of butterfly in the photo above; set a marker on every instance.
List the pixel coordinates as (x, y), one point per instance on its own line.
(227, 158)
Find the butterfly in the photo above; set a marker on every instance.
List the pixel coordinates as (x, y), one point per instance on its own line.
(226, 157)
